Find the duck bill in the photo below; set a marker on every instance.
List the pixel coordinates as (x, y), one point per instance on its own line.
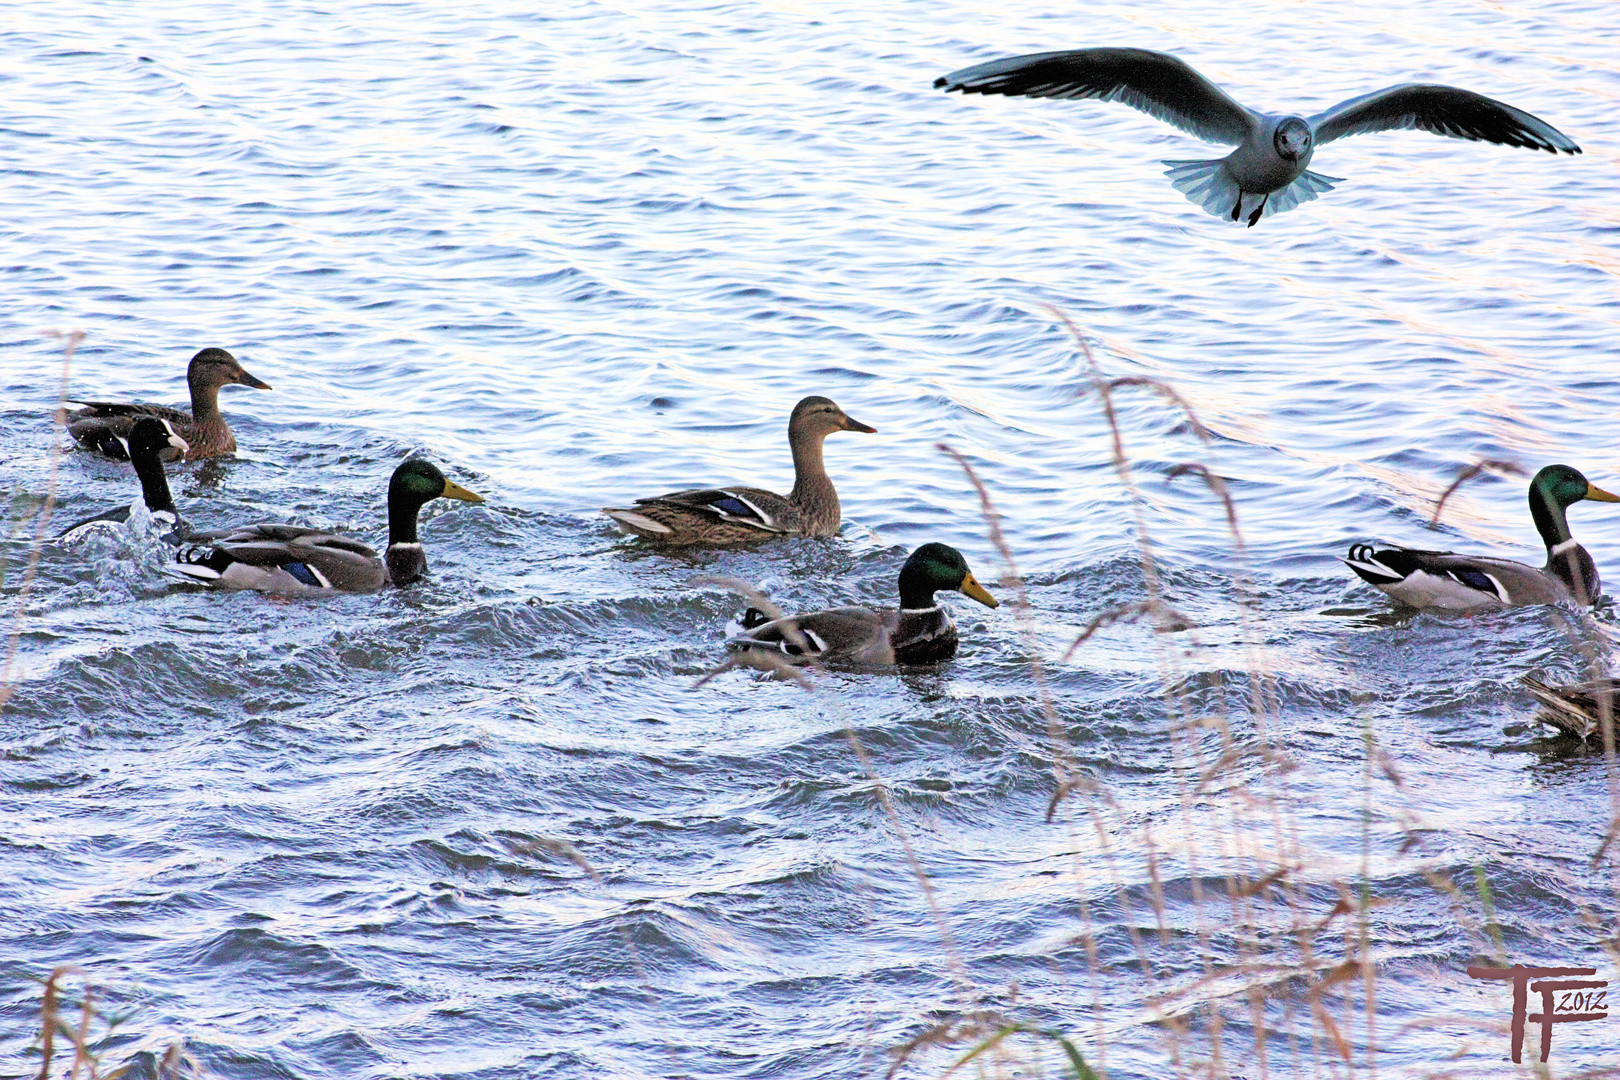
(179, 444)
(974, 590)
(453, 490)
(852, 424)
(1597, 494)
(248, 380)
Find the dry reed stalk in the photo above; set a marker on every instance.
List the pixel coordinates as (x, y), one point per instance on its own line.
(1483, 465)
(1235, 886)
(1070, 778)
(48, 1020)
(174, 1064)
(778, 665)
(1145, 555)
(1185, 746)
(1595, 645)
(70, 341)
(1324, 980)
(1297, 938)
(52, 1023)
(81, 1037)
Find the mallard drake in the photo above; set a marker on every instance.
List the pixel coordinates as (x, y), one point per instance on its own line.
(1460, 582)
(148, 438)
(738, 515)
(104, 426)
(1577, 709)
(920, 632)
(294, 558)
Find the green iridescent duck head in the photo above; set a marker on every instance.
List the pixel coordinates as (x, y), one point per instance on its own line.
(1553, 491)
(934, 567)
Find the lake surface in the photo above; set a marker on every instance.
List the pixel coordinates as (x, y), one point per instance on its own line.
(486, 827)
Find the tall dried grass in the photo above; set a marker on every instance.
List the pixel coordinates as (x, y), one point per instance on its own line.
(1281, 938)
(70, 1010)
(1317, 966)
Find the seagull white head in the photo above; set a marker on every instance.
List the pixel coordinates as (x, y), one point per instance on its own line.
(1292, 139)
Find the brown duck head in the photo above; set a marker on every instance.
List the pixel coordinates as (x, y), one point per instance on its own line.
(815, 418)
(214, 368)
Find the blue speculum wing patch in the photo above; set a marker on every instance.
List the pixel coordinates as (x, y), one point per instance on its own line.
(733, 506)
(302, 573)
(1474, 579)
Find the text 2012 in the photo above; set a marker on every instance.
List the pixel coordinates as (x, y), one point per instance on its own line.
(1582, 1001)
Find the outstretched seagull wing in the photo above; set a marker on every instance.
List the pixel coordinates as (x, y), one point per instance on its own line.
(1157, 83)
(1442, 110)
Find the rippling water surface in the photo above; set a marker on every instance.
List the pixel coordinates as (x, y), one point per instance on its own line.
(486, 827)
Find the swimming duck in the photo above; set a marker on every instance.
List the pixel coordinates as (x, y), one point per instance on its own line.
(148, 439)
(1461, 582)
(104, 426)
(920, 632)
(295, 558)
(1577, 709)
(740, 514)
(1267, 172)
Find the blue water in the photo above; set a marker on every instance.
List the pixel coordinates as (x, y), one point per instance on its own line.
(486, 827)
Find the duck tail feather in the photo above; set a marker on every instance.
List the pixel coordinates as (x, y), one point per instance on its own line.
(634, 524)
(203, 564)
(1363, 559)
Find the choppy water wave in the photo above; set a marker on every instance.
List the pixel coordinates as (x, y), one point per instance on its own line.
(487, 827)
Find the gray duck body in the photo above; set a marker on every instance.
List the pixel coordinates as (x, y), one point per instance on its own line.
(279, 558)
(919, 631)
(1447, 580)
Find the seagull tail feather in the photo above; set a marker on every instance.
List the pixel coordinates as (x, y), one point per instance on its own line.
(1307, 187)
(1206, 184)
(1209, 185)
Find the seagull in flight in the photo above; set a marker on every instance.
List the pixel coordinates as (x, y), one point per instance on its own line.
(1266, 174)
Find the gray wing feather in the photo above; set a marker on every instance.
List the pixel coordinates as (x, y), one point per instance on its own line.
(268, 536)
(1523, 584)
(1157, 83)
(841, 633)
(346, 564)
(248, 534)
(1440, 110)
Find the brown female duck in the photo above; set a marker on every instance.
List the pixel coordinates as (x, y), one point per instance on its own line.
(105, 426)
(1579, 709)
(737, 515)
